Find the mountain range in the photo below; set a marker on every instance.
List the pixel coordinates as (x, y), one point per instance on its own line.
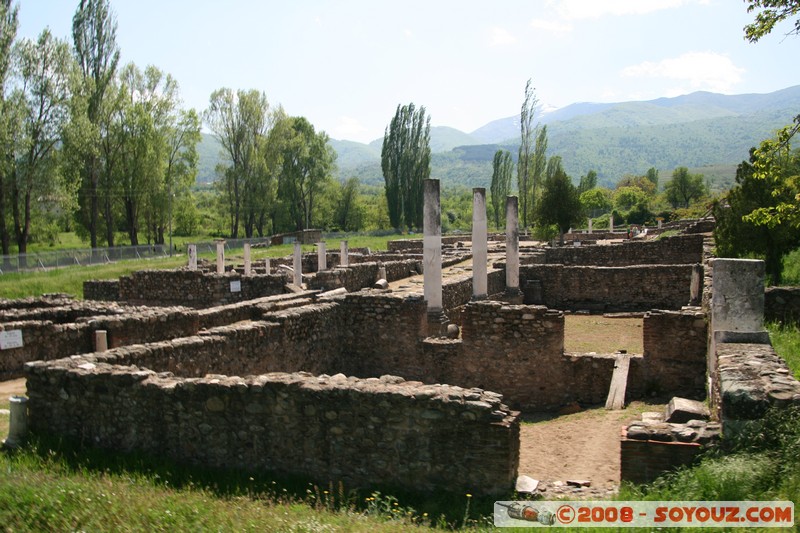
(702, 130)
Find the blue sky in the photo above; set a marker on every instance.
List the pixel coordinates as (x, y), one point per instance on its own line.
(347, 64)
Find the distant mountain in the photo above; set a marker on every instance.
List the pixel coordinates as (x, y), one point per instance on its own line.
(208, 156)
(702, 130)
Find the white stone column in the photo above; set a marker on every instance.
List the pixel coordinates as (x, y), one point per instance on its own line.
(100, 340)
(432, 246)
(18, 422)
(298, 264)
(590, 226)
(479, 244)
(611, 222)
(247, 265)
(192, 257)
(220, 256)
(322, 259)
(267, 266)
(512, 246)
(344, 254)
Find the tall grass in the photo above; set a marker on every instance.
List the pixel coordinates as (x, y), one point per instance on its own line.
(791, 268)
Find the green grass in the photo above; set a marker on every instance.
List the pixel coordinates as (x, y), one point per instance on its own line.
(791, 268)
(786, 341)
(52, 486)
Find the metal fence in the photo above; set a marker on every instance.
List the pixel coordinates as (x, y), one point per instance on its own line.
(89, 256)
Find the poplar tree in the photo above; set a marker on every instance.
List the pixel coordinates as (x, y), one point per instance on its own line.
(527, 139)
(406, 163)
(502, 169)
(8, 33)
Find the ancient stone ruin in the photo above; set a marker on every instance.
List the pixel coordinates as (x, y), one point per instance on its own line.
(301, 366)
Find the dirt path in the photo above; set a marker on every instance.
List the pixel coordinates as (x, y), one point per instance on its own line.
(580, 446)
(12, 388)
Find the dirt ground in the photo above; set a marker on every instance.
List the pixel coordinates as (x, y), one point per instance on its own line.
(580, 446)
(602, 334)
(11, 388)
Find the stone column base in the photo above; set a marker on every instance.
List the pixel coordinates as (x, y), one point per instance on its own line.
(436, 323)
(513, 296)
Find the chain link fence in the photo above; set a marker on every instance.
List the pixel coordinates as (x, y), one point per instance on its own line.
(95, 256)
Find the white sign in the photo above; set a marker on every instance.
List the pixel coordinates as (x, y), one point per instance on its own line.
(11, 339)
(236, 286)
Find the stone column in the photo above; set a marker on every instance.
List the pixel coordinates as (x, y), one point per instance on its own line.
(18, 422)
(247, 265)
(322, 259)
(590, 226)
(479, 244)
(220, 256)
(513, 294)
(696, 289)
(100, 340)
(267, 266)
(611, 223)
(298, 264)
(344, 254)
(192, 257)
(432, 258)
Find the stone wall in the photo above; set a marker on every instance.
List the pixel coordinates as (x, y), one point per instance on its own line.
(101, 289)
(643, 460)
(361, 432)
(195, 288)
(405, 245)
(675, 346)
(358, 276)
(782, 304)
(605, 289)
(677, 250)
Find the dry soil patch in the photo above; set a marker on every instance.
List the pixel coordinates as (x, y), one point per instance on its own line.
(602, 334)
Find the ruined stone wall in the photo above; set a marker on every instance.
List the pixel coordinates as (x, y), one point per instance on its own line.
(405, 245)
(457, 290)
(360, 432)
(633, 288)
(196, 288)
(361, 275)
(42, 339)
(677, 250)
(101, 289)
(675, 346)
(782, 304)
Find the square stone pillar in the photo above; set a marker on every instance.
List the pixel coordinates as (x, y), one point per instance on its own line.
(220, 256)
(344, 254)
(322, 259)
(247, 265)
(267, 266)
(298, 264)
(480, 244)
(192, 257)
(590, 226)
(432, 258)
(611, 223)
(513, 294)
(100, 340)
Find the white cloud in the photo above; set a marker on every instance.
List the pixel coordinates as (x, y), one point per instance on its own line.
(583, 9)
(500, 37)
(348, 128)
(553, 26)
(702, 70)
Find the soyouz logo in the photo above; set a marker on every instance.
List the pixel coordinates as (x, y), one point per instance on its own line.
(643, 514)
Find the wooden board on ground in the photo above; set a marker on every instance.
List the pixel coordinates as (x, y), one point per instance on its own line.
(619, 382)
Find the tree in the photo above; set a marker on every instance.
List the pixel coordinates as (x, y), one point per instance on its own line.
(308, 162)
(596, 201)
(527, 139)
(652, 176)
(8, 114)
(643, 183)
(43, 90)
(588, 182)
(502, 169)
(241, 122)
(406, 163)
(538, 164)
(772, 12)
(737, 235)
(94, 31)
(684, 187)
(560, 203)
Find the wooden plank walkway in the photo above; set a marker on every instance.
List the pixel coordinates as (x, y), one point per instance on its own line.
(619, 382)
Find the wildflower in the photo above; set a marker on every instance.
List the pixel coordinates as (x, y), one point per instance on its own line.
(469, 495)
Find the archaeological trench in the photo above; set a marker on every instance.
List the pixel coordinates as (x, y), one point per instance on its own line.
(406, 368)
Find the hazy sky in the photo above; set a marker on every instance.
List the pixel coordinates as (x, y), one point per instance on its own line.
(347, 64)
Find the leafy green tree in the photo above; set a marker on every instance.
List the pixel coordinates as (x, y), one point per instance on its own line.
(771, 164)
(737, 235)
(588, 182)
(596, 201)
(406, 163)
(8, 114)
(652, 176)
(684, 188)
(308, 163)
(527, 138)
(644, 183)
(241, 121)
(772, 12)
(502, 171)
(44, 70)
(349, 215)
(94, 31)
(560, 203)
(538, 164)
